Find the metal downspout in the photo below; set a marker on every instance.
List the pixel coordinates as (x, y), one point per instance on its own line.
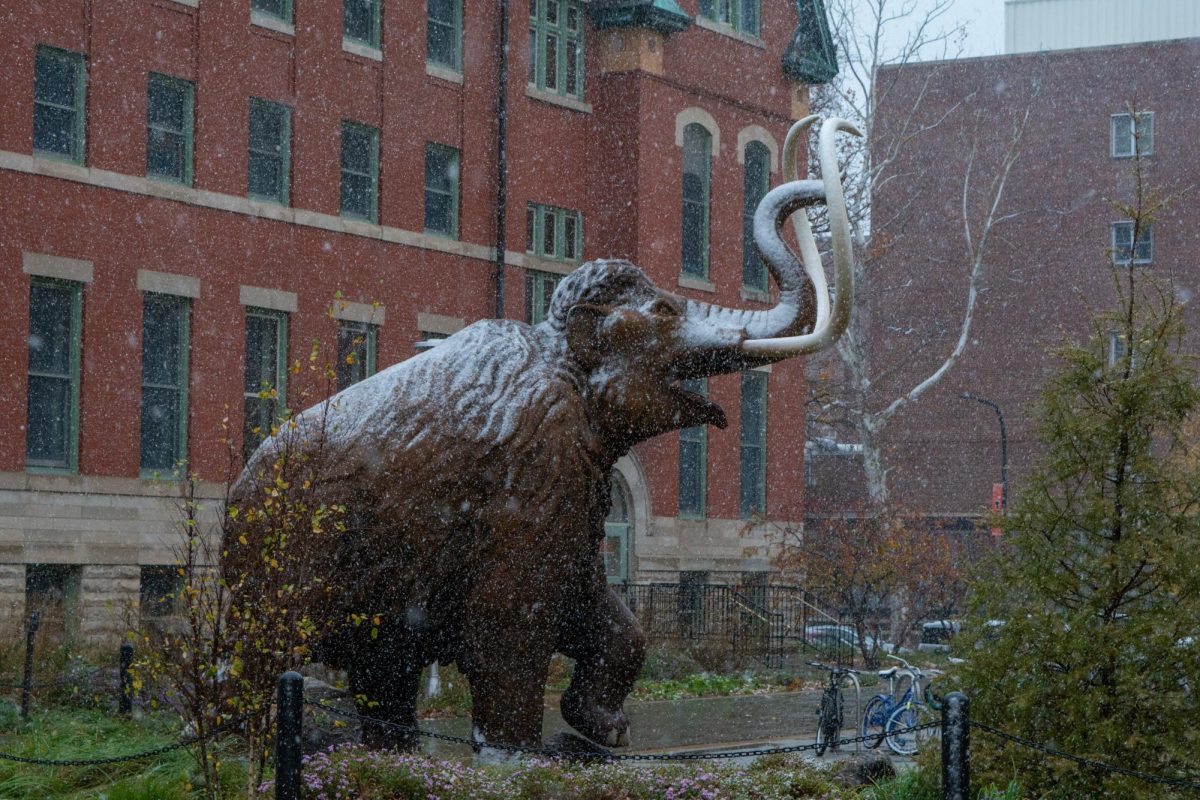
(502, 159)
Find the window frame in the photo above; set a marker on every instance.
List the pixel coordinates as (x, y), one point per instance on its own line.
(285, 16)
(188, 131)
(738, 14)
(370, 343)
(1147, 241)
(751, 260)
(373, 176)
(283, 196)
(376, 20)
(182, 374)
(535, 229)
(454, 193)
(754, 382)
(537, 299)
(704, 204)
(70, 463)
(696, 434)
(79, 110)
(281, 319)
(1136, 139)
(541, 28)
(456, 28)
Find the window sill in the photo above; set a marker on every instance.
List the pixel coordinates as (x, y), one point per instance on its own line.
(32, 470)
(443, 73)
(361, 49)
(187, 182)
(557, 99)
(58, 158)
(698, 517)
(268, 201)
(154, 476)
(756, 295)
(730, 31)
(447, 237)
(699, 284)
(272, 23)
(540, 264)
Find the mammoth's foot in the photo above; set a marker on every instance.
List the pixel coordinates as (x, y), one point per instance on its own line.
(609, 728)
(386, 737)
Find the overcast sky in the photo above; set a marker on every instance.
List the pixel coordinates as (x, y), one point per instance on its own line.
(982, 19)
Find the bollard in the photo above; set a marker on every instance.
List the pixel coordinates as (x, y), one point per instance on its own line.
(125, 700)
(287, 736)
(956, 747)
(35, 619)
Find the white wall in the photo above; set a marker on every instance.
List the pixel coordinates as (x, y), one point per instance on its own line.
(1032, 25)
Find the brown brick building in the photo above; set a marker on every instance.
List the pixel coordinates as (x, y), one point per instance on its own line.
(1049, 265)
(196, 191)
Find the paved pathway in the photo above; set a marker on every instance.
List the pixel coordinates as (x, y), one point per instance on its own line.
(695, 724)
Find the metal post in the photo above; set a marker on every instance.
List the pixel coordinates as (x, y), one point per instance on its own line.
(287, 737)
(35, 619)
(956, 747)
(1003, 445)
(125, 700)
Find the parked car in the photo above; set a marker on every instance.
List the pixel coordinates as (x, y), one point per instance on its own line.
(833, 637)
(936, 635)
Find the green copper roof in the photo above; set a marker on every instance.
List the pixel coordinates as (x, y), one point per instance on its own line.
(664, 16)
(812, 56)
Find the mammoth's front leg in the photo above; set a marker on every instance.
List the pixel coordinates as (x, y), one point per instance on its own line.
(388, 676)
(508, 638)
(609, 647)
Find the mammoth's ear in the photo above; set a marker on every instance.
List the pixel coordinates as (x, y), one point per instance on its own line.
(584, 325)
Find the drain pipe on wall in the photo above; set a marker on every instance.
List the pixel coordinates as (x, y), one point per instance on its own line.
(502, 159)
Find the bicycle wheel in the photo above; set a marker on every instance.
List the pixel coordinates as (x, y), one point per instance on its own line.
(874, 721)
(828, 720)
(903, 742)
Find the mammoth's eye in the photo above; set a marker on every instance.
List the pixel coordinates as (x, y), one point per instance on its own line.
(665, 308)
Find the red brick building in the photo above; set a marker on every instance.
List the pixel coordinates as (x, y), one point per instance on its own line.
(1049, 266)
(196, 191)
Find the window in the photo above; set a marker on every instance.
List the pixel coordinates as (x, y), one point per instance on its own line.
(429, 340)
(164, 382)
(742, 15)
(756, 179)
(554, 233)
(270, 151)
(52, 421)
(441, 190)
(169, 108)
(59, 86)
(360, 171)
(1118, 348)
(615, 549)
(281, 9)
(52, 590)
(360, 21)
(158, 589)
(556, 46)
(752, 497)
(443, 33)
(355, 352)
(1123, 245)
(697, 156)
(539, 288)
(266, 375)
(693, 461)
(1132, 134)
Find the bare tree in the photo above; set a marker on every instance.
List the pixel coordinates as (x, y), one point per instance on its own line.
(845, 397)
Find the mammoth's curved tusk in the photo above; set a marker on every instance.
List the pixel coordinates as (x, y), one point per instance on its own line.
(830, 325)
(809, 254)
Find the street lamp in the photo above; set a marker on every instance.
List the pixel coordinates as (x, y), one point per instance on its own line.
(1003, 446)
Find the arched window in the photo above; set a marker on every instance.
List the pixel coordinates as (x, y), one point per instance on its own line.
(616, 532)
(697, 166)
(755, 181)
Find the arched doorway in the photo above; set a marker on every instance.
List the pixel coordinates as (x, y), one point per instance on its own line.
(618, 532)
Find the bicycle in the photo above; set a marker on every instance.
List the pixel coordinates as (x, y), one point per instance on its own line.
(885, 717)
(829, 712)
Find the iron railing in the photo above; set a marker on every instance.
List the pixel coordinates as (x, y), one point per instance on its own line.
(774, 625)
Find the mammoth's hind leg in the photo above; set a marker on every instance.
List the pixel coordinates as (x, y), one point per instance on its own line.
(609, 648)
(389, 681)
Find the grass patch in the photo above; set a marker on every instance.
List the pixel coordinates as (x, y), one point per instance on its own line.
(707, 685)
(88, 734)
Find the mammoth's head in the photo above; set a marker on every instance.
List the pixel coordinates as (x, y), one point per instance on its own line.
(638, 343)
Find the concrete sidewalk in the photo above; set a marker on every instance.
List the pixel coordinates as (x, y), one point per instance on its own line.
(695, 724)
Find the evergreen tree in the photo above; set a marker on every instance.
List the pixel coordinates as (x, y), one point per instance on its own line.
(1098, 587)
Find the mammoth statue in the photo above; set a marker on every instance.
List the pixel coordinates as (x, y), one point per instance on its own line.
(475, 476)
